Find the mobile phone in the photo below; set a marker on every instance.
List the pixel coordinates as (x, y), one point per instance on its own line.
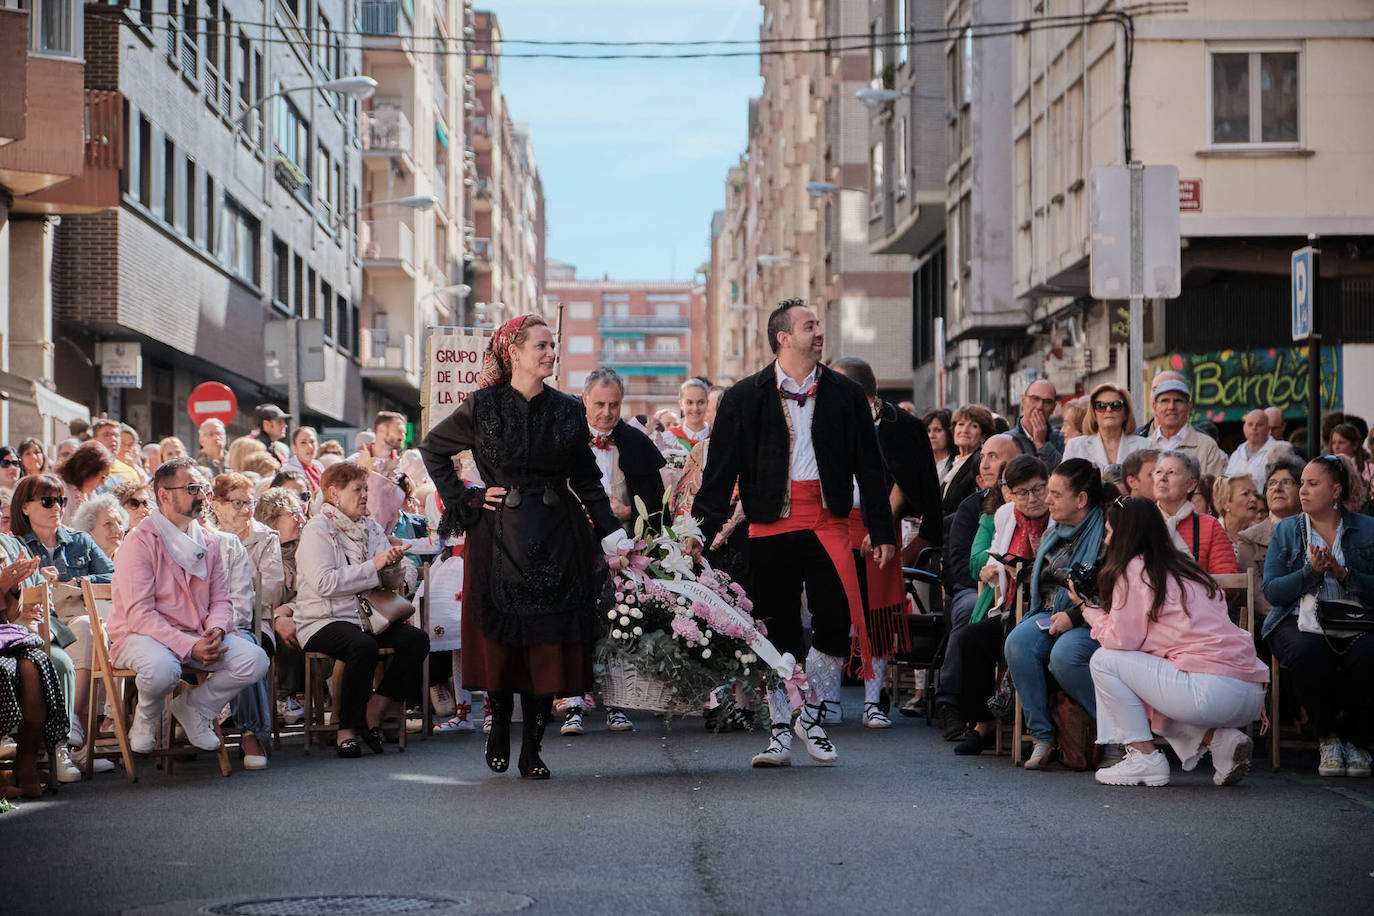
(1044, 623)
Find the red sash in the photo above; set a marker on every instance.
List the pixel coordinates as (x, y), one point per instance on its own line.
(809, 514)
(886, 595)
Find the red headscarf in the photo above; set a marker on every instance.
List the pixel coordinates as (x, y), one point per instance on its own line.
(496, 361)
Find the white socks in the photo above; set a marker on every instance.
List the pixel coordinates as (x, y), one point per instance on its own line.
(873, 686)
(823, 675)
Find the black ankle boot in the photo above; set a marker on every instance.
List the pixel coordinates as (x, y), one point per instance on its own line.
(498, 739)
(537, 711)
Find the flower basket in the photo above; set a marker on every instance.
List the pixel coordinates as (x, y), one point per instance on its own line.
(623, 686)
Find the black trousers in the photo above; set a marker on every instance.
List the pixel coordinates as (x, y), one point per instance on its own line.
(951, 671)
(1335, 686)
(978, 646)
(782, 564)
(358, 651)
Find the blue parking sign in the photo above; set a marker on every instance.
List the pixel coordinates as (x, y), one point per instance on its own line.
(1304, 282)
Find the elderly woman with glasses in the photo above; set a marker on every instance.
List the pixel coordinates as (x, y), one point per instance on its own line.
(136, 499)
(83, 474)
(1281, 497)
(105, 521)
(252, 559)
(1108, 429)
(1197, 534)
(281, 510)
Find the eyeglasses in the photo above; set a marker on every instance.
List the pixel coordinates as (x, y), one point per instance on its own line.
(49, 502)
(1041, 402)
(243, 505)
(1034, 492)
(138, 503)
(1166, 473)
(192, 488)
(1280, 483)
(10, 463)
(1117, 404)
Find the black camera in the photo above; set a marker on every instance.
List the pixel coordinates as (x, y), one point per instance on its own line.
(1083, 578)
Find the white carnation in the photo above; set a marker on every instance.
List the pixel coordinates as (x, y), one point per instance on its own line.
(617, 634)
(639, 631)
(624, 621)
(705, 653)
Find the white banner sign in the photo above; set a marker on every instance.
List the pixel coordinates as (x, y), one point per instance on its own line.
(121, 364)
(453, 360)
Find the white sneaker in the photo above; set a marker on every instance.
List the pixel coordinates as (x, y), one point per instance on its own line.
(142, 734)
(617, 721)
(779, 750)
(1356, 760)
(1039, 757)
(76, 737)
(459, 723)
(874, 717)
(64, 768)
(572, 725)
(441, 698)
(199, 728)
(1136, 769)
(808, 728)
(1332, 758)
(291, 711)
(1231, 750)
(834, 712)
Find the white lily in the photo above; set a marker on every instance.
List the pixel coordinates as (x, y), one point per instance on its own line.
(677, 563)
(687, 527)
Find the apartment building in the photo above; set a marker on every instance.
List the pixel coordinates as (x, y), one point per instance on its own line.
(732, 335)
(649, 332)
(237, 197)
(414, 145)
(1261, 108)
(56, 158)
(506, 243)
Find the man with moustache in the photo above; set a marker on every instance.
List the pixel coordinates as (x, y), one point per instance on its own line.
(171, 610)
(796, 436)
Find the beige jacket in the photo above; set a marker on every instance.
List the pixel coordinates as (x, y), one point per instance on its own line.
(328, 585)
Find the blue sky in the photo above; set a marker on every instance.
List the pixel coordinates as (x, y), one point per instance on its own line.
(633, 154)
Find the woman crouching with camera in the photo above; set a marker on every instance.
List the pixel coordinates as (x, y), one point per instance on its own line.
(343, 554)
(1171, 661)
(1056, 636)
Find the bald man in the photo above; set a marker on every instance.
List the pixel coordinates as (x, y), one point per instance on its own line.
(1258, 450)
(1276, 422)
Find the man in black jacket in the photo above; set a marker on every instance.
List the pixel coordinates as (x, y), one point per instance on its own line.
(796, 436)
(629, 464)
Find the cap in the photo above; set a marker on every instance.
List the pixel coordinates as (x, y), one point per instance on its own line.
(1173, 384)
(268, 412)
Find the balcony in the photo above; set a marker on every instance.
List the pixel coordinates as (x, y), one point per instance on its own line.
(387, 17)
(645, 357)
(388, 136)
(482, 250)
(637, 389)
(41, 105)
(441, 186)
(482, 194)
(479, 131)
(389, 362)
(97, 188)
(387, 243)
(659, 323)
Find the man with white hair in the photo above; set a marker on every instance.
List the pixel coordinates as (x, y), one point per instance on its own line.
(1253, 456)
(212, 437)
(1173, 401)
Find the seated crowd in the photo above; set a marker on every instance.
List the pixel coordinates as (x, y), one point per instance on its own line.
(1079, 566)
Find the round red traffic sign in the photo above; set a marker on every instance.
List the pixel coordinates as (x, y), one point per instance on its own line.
(212, 401)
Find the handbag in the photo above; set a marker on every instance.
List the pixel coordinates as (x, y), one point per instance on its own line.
(1076, 732)
(1002, 702)
(1339, 618)
(381, 608)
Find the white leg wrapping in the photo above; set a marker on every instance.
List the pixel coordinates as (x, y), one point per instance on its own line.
(873, 686)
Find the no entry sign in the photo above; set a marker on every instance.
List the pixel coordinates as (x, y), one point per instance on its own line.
(212, 401)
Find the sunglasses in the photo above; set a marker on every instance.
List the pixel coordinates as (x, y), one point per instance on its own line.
(49, 502)
(139, 503)
(192, 488)
(10, 463)
(1117, 404)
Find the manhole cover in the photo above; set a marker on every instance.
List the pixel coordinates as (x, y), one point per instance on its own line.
(467, 904)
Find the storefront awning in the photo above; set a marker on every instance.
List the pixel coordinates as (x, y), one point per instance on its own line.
(55, 407)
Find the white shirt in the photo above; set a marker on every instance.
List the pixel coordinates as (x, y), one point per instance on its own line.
(605, 459)
(1093, 449)
(698, 434)
(1242, 461)
(803, 454)
(1163, 443)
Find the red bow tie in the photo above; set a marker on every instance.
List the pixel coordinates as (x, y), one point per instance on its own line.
(603, 442)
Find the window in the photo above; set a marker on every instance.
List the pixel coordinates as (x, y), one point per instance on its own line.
(298, 288)
(206, 221)
(580, 311)
(965, 235)
(667, 310)
(169, 181)
(875, 181)
(341, 324)
(1255, 97)
(576, 380)
(324, 48)
(899, 167)
(144, 182)
(212, 34)
(876, 63)
(239, 243)
(325, 171)
(293, 135)
(900, 28)
(52, 28)
(186, 217)
(327, 308)
(580, 344)
(281, 275)
(311, 295)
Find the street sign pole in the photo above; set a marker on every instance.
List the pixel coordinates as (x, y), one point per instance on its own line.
(1314, 361)
(1135, 360)
(293, 372)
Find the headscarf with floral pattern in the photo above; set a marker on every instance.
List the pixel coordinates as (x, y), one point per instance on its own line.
(496, 361)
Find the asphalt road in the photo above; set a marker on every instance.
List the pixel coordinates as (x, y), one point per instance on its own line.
(674, 821)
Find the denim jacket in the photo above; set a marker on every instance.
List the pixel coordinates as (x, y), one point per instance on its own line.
(75, 555)
(1288, 574)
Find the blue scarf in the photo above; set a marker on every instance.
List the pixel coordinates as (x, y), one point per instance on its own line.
(1087, 537)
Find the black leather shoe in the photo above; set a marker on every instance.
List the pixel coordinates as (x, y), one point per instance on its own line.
(372, 737)
(975, 744)
(350, 748)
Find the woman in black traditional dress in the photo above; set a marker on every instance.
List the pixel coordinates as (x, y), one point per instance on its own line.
(535, 580)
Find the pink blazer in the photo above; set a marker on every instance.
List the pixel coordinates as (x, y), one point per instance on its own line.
(153, 596)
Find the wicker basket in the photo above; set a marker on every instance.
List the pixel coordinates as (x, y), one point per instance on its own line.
(625, 688)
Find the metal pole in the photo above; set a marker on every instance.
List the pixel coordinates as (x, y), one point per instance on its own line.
(1314, 364)
(1135, 367)
(293, 371)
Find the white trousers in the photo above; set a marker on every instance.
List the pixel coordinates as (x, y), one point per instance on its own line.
(1194, 703)
(159, 670)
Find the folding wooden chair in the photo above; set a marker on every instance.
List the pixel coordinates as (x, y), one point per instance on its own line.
(114, 680)
(1019, 736)
(42, 595)
(315, 688)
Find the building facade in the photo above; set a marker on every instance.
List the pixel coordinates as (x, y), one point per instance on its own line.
(652, 333)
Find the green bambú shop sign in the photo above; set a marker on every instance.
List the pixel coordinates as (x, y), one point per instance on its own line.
(1227, 384)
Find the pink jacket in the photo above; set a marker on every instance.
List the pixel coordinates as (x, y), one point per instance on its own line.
(1202, 641)
(155, 597)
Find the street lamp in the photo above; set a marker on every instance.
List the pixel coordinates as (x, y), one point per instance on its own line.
(774, 260)
(460, 289)
(415, 202)
(355, 87)
(822, 188)
(872, 98)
